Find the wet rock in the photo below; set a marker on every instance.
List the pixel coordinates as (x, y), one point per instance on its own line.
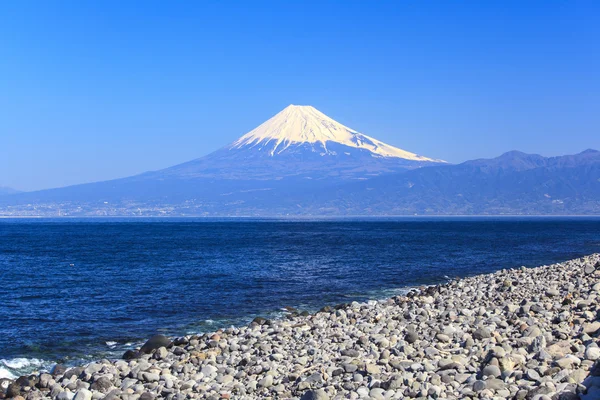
(155, 342)
(13, 390)
(131, 355)
(58, 369)
(73, 372)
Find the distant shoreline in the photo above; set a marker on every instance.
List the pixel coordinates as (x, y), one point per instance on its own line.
(340, 217)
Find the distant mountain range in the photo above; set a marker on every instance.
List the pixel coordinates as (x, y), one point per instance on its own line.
(301, 162)
(514, 183)
(4, 190)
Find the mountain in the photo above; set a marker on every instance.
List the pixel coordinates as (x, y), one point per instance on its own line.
(301, 162)
(514, 183)
(297, 151)
(300, 142)
(4, 190)
(299, 127)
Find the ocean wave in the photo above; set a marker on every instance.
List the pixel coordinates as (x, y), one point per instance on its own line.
(16, 367)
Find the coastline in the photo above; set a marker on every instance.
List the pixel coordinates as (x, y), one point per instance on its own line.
(520, 333)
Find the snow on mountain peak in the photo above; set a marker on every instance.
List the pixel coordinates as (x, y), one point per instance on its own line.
(296, 125)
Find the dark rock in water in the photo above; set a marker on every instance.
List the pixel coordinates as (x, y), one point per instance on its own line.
(326, 309)
(130, 355)
(342, 306)
(74, 372)
(58, 369)
(411, 337)
(304, 314)
(155, 342)
(13, 390)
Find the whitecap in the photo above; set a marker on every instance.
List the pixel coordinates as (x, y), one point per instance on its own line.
(111, 344)
(18, 366)
(6, 374)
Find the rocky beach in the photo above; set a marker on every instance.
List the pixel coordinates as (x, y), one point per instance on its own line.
(523, 333)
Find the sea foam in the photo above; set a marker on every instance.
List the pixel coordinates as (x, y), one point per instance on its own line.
(15, 367)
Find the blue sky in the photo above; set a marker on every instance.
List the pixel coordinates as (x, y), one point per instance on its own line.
(98, 90)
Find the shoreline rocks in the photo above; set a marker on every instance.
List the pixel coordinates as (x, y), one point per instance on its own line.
(513, 334)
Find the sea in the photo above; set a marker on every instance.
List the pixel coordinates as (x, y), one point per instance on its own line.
(78, 290)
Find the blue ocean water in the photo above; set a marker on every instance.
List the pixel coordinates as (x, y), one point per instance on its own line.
(76, 290)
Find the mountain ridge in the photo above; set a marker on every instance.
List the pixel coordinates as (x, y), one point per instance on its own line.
(5, 191)
(567, 184)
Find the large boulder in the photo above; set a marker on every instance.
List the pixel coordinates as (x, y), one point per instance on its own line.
(102, 385)
(131, 355)
(58, 369)
(13, 390)
(155, 342)
(73, 372)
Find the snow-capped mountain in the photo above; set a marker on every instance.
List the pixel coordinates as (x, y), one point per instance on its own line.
(300, 125)
(301, 141)
(298, 151)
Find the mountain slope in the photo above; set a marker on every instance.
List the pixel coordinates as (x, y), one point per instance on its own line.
(300, 141)
(514, 183)
(4, 190)
(298, 150)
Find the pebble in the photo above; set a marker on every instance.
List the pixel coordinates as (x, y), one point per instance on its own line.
(526, 333)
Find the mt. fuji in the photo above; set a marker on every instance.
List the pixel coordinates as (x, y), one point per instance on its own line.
(298, 151)
(301, 141)
(297, 126)
(301, 162)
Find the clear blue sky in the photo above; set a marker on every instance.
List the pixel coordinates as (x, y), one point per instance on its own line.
(98, 90)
